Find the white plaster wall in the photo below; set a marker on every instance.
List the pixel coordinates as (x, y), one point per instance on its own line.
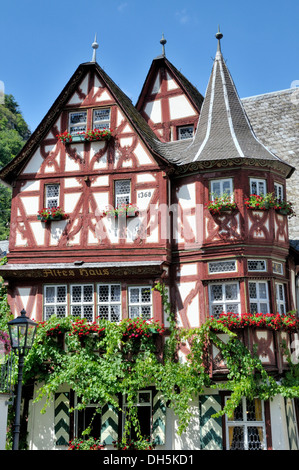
(3, 418)
(280, 439)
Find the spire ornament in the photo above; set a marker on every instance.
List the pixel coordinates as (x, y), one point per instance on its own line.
(94, 46)
(219, 36)
(163, 42)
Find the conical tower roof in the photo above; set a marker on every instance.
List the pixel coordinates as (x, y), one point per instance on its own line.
(224, 131)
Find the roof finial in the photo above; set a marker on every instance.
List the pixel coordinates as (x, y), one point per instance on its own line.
(94, 46)
(219, 36)
(163, 42)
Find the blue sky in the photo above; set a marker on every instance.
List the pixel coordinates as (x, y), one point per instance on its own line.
(42, 44)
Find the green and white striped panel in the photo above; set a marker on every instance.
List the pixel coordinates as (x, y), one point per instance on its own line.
(62, 418)
(159, 419)
(210, 428)
(109, 431)
(291, 424)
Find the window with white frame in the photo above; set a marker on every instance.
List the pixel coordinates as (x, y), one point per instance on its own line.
(82, 301)
(257, 265)
(55, 301)
(224, 298)
(280, 298)
(221, 187)
(278, 191)
(258, 297)
(77, 122)
(144, 414)
(122, 191)
(258, 186)
(52, 195)
(109, 302)
(101, 118)
(222, 266)
(140, 302)
(185, 132)
(246, 430)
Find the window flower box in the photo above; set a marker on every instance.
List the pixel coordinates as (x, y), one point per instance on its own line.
(260, 202)
(123, 210)
(51, 214)
(221, 204)
(284, 208)
(90, 135)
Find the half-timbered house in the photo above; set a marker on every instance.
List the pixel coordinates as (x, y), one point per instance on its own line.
(165, 159)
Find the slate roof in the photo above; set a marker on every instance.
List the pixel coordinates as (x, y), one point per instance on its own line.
(161, 61)
(224, 130)
(275, 119)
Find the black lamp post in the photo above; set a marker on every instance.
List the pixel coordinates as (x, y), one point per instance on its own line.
(22, 332)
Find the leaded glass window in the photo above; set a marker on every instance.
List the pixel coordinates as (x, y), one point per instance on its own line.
(224, 298)
(277, 267)
(246, 428)
(280, 298)
(256, 265)
(221, 187)
(52, 195)
(185, 132)
(109, 302)
(259, 297)
(257, 186)
(77, 122)
(278, 191)
(82, 301)
(101, 118)
(222, 266)
(140, 302)
(122, 190)
(55, 301)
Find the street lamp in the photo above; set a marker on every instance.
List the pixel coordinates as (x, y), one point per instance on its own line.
(22, 332)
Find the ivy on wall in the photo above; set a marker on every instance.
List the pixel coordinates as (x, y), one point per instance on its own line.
(100, 361)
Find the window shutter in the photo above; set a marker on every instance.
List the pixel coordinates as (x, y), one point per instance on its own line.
(291, 424)
(210, 428)
(62, 419)
(159, 419)
(109, 431)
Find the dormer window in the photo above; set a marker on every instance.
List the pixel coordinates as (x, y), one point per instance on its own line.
(185, 132)
(52, 195)
(77, 122)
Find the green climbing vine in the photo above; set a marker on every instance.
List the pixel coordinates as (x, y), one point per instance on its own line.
(104, 360)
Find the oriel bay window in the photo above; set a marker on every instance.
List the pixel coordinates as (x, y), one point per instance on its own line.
(224, 298)
(259, 297)
(221, 187)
